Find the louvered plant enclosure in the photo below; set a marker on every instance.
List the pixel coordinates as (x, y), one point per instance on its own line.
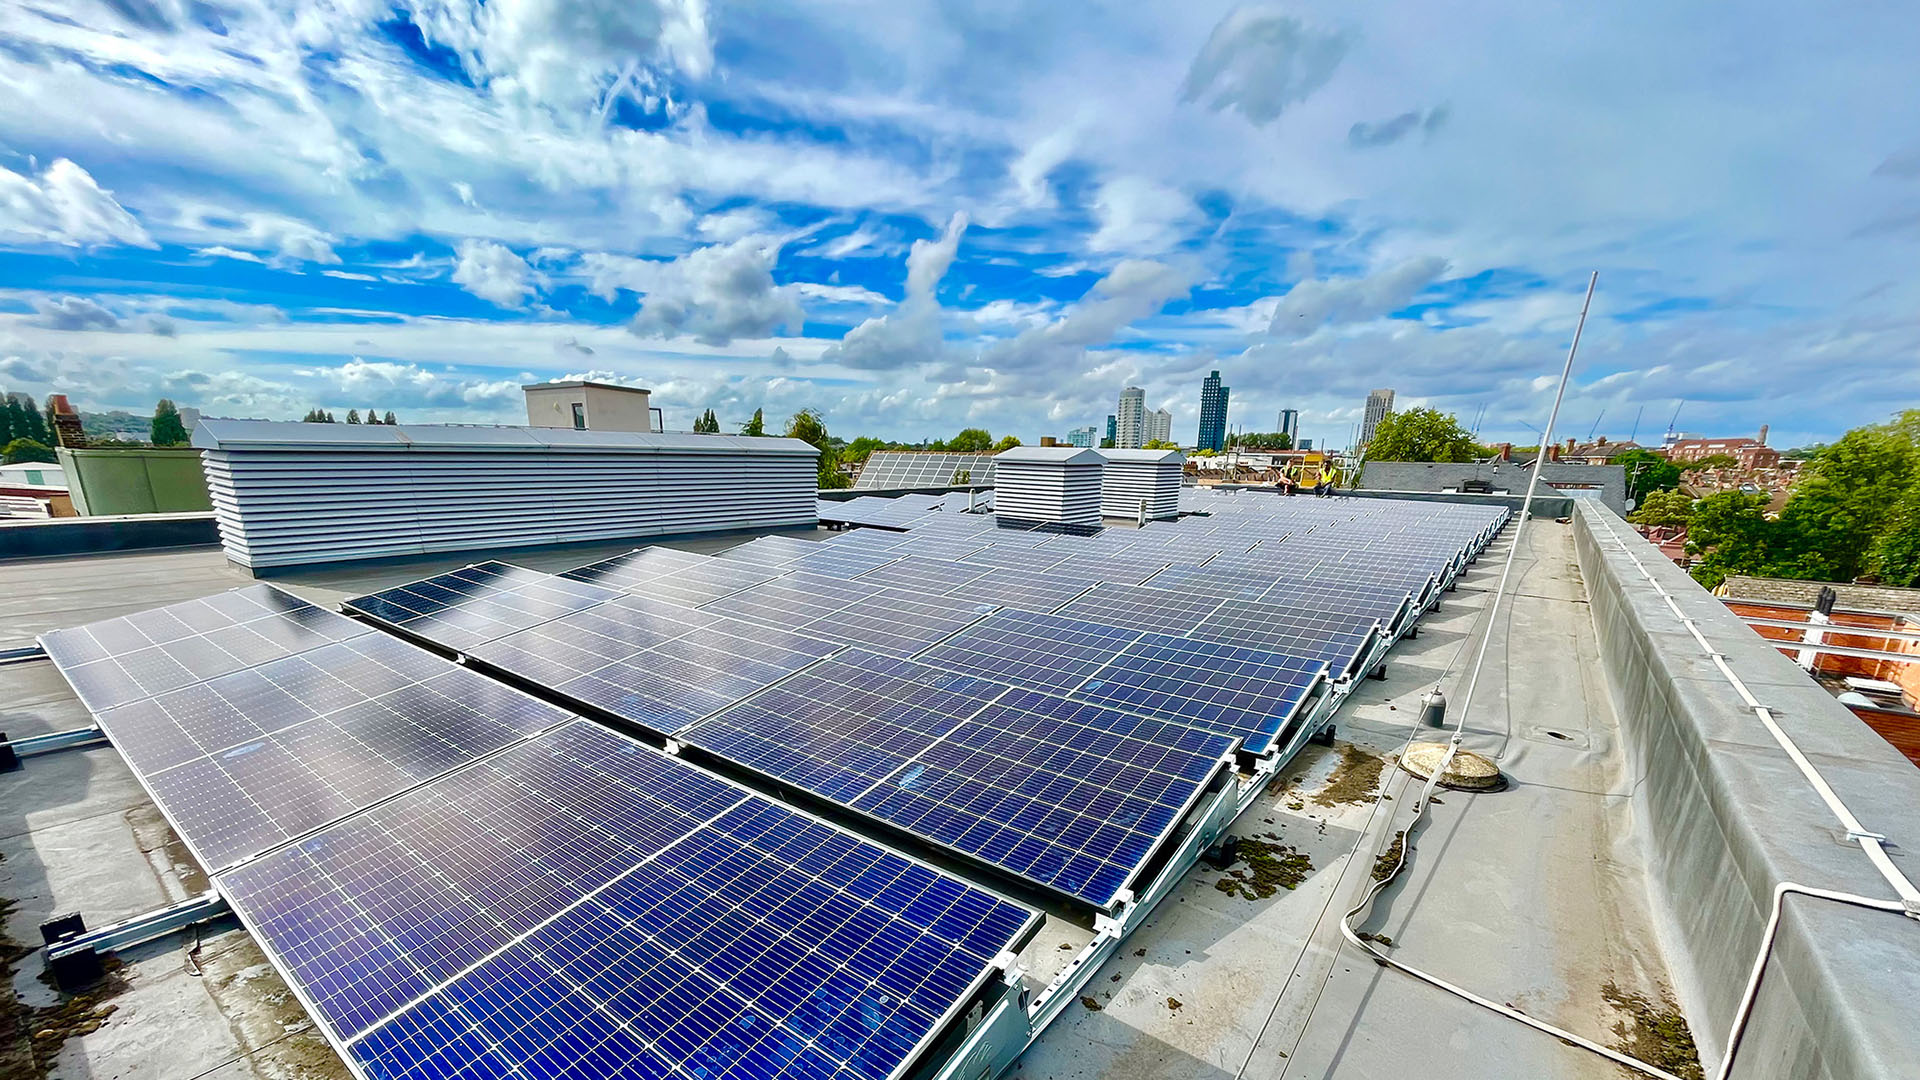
(1136, 476)
(1048, 483)
(288, 494)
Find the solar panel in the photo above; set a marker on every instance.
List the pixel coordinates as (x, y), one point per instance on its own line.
(1246, 693)
(1152, 610)
(1025, 649)
(897, 622)
(624, 572)
(476, 604)
(1014, 557)
(1067, 795)
(584, 906)
(650, 662)
(841, 562)
(768, 550)
(1021, 589)
(911, 469)
(927, 575)
(116, 661)
(249, 759)
(791, 601)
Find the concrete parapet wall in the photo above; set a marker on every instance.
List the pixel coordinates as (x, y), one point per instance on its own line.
(1730, 817)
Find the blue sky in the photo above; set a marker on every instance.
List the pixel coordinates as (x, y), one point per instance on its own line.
(920, 217)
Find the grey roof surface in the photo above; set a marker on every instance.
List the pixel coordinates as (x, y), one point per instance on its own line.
(1553, 896)
(289, 435)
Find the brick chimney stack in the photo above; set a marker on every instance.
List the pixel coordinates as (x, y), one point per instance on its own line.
(1763, 434)
(66, 423)
(1506, 451)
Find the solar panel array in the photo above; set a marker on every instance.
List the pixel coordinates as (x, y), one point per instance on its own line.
(461, 880)
(458, 879)
(585, 906)
(921, 468)
(1068, 795)
(254, 717)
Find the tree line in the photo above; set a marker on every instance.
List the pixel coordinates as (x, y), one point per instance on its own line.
(322, 416)
(1854, 512)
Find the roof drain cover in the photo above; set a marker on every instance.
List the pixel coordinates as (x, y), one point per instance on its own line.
(1468, 771)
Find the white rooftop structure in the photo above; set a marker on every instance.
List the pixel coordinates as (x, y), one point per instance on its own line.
(1059, 484)
(1137, 481)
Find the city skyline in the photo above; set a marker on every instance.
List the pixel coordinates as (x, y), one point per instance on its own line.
(830, 211)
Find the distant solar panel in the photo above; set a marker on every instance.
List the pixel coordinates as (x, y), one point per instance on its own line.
(1021, 589)
(926, 575)
(1015, 556)
(791, 601)
(477, 604)
(912, 469)
(1152, 610)
(1043, 651)
(1067, 795)
(769, 550)
(246, 760)
(635, 567)
(842, 562)
(584, 906)
(897, 622)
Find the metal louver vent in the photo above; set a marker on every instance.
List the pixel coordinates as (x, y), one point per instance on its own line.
(1133, 476)
(287, 494)
(1046, 483)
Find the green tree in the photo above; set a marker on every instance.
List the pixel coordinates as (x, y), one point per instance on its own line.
(1161, 444)
(13, 420)
(1731, 535)
(353, 416)
(807, 426)
(1896, 554)
(21, 450)
(755, 426)
(388, 419)
(1842, 503)
(372, 417)
(862, 448)
(38, 427)
(1421, 434)
(1664, 508)
(1106, 444)
(971, 440)
(1007, 442)
(1647, 472)
(168, 430)
(1261, 440)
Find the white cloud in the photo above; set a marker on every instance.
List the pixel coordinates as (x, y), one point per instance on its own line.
(910, 334)
(413, 386)
(1311, 304)
(349, 275)
(1134, 290)
(64, 206)
(839, 294)
(716, 294)
(221, 252)
(1139, 216)
(74, 313)
(1260, 60)
(494, 273)
(568, 54)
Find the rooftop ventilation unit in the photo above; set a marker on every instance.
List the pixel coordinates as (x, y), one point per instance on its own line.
(1048, 483)
(287, 494)
(1134, 477)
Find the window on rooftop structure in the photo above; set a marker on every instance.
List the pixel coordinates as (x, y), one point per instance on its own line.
(579, 416)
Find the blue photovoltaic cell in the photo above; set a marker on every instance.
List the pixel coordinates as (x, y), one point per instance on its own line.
(635, 568)
(1016, 557)
(251, 758)
(1021, 589)
(1140, 608)
(769, 550)
(1072, 796)
(1068, 795)
(1048, 652)
(1224, 688)
(897, 622)
(925, 575)
(840, 726)
(835, 560)
(791, 601)
(478, 604)
(662, 924)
